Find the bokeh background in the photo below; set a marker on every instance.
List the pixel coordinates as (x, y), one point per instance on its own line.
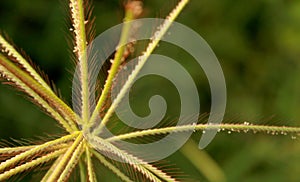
(257, 43)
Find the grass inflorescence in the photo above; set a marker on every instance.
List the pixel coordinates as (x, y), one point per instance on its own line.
(75, 149)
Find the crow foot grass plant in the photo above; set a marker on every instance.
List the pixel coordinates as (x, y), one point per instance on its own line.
(76, 152)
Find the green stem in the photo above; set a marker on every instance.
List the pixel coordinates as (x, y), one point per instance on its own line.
(46, 96)
(91, 173)
(115, 65)
(71, 163)
(31, 164)
(230, 127)
(77, 10)
(11, 51)
(65, 159)
(151, 172)
(111, 167)
(35, 150)
(203, 162)
(142, 60)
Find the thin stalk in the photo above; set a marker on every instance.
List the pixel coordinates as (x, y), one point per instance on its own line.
(67, 156)
(35, 150)
(9, 69)
(118, 59)
(44, 104)
(90, 168)
(110, 166)
(203, 162)
(52, 168)
(11, 51)
(142, 60)
(82, 170)
(150, 172)
(230, 127)
(8, 150)
(78, 17)
(72, 162)
(31, 164)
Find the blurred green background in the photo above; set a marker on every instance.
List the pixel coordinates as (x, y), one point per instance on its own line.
(257, 43)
